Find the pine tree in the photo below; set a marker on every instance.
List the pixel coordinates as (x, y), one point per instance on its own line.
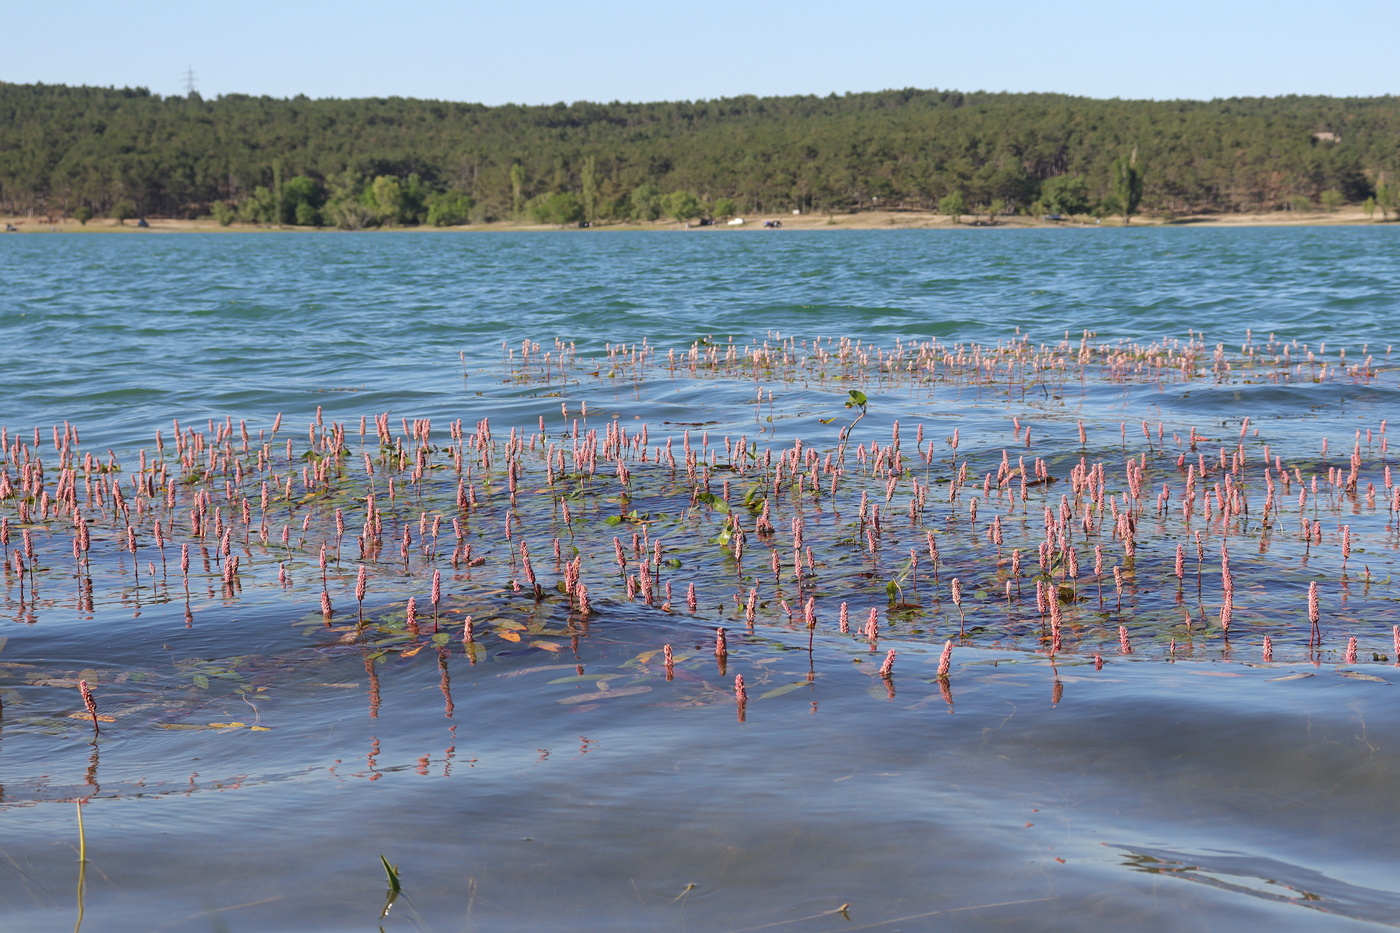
(1127, 185)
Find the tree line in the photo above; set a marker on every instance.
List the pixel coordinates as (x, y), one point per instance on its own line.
(85, 151)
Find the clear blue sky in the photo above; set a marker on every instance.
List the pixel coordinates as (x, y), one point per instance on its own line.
(542, 51)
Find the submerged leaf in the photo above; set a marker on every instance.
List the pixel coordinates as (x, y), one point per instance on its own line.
(536, 670)
(1357, 675)
(603, 694)
(785, 688)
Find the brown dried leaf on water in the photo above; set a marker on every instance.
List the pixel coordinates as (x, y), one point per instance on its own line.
(87, 718)
(508, 635)
(603, 694)
(1357, 675)
(1298, 676)
(412, 651)
(546, 645)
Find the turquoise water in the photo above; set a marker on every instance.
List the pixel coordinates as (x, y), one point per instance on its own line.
(552, 773)
(122, 333)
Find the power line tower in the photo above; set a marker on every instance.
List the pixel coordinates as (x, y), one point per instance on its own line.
(189, 81)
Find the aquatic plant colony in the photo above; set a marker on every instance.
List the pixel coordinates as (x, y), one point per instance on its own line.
(1066, 535)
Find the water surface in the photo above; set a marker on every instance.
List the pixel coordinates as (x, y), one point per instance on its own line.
(552, 774)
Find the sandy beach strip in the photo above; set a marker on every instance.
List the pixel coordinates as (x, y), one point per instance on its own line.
(865, 220)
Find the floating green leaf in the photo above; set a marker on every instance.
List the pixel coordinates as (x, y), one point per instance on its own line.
(713, 501)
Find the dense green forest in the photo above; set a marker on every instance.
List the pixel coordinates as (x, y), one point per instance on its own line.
(83, 151)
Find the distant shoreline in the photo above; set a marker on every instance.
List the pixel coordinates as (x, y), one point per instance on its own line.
(867, 220)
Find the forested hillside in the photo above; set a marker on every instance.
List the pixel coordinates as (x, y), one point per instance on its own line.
(82, 151)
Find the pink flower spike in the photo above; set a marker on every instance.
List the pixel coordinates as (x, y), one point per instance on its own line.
(89, 702)
(887, 668)
(1351, 650)
(945, 660)
(872, 624)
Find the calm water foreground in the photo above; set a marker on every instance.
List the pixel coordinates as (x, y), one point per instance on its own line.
(581, 454)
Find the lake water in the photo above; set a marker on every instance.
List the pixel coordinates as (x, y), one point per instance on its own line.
(432, 566)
